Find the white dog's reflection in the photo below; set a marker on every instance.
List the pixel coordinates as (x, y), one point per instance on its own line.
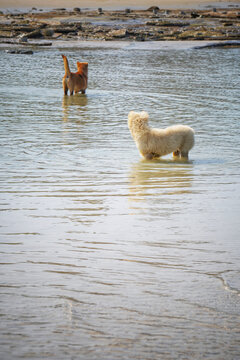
(158, 179)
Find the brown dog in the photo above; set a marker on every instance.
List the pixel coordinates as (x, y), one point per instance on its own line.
(75, 82)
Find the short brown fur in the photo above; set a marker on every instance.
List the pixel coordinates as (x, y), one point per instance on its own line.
(75, 82)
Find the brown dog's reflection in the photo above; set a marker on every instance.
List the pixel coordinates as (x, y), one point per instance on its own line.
(72, 103)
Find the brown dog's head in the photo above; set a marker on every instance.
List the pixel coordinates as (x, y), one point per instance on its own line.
(82, 67)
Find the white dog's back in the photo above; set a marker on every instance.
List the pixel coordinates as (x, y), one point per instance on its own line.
(151, 142)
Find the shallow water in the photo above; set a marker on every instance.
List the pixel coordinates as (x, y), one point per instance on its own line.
(105, 255)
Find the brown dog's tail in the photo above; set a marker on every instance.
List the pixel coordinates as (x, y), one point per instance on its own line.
(66, 66)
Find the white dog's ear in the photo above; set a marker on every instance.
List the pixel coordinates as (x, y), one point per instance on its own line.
(131, 114)
(144, 115)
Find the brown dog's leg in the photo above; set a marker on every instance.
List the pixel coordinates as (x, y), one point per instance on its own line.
(65, 87)
(70, 87)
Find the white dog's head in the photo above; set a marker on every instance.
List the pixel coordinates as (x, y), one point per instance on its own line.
(137, 122)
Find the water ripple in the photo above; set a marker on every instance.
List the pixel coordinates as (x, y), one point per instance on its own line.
(106, 255)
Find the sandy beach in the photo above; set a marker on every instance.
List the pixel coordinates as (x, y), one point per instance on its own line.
(109, 4)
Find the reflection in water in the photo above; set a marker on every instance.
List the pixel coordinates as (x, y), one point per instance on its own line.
(159, 181)
(69, 102)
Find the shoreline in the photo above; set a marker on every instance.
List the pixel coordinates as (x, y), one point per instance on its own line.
(117, 5)
(118, 45)
(152, 24)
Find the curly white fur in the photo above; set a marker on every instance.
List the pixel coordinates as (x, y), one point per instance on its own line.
(178, 139)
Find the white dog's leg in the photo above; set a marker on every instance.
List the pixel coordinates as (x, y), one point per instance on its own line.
(176, 153)
(184, 154)
(148, 156)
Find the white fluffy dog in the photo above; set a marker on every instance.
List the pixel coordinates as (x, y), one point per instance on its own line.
(151, 143)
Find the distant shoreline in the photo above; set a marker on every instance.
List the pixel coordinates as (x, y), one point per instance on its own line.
(42, 28)
(116, 5)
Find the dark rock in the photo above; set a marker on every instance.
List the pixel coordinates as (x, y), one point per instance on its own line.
(151, 8)
(23, 52)
(194, 15)
(76, 9)
(48, 32)
(66, 29)
(34, 34)
(222, 44)
(140, 38)
(42, 43)
(22, 28)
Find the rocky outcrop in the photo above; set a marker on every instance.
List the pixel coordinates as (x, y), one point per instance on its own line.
(119, 34)
(139, 25)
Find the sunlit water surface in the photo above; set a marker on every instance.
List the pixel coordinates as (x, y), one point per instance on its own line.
(104, 255)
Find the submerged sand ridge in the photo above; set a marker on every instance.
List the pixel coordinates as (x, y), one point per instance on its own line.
(153, 24)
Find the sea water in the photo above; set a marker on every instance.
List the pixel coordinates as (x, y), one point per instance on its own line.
(104, 255)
